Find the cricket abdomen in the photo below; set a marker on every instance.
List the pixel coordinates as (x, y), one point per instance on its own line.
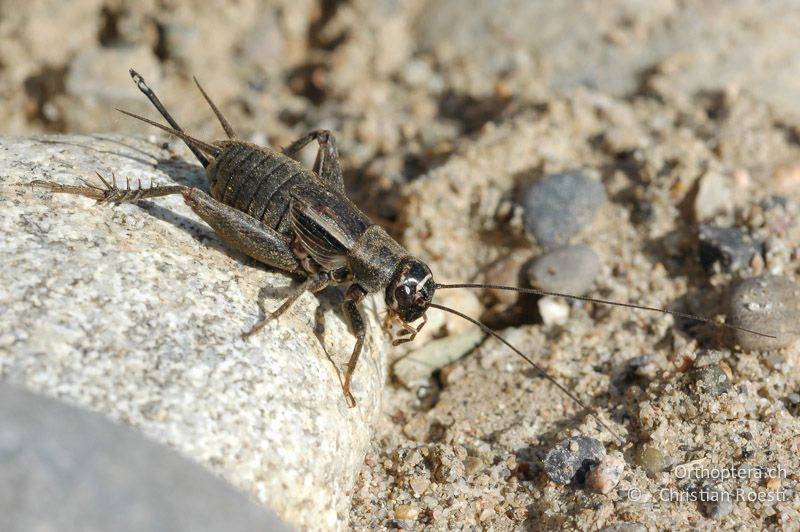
(256, 180)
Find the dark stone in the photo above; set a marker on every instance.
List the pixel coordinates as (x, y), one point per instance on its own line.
(728, 248)
(710, 379)
(570, 460)
(63, 468)
(558, 206)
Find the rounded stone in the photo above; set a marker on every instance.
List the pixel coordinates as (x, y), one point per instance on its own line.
(768, 304)
(710, 379)
(65, 468)
(558, 206)
(136, 312)
(570, 460)
(568, 270)
(653, 460)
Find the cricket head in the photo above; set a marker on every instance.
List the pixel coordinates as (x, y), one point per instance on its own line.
(410, 292)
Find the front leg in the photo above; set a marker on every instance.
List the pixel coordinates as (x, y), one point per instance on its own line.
(354, 319)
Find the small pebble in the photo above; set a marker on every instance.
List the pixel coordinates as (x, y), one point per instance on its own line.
(472, 464)
(728, 248)
(554, 311)
(419, 485)
(768, 304)
(569, 270)
(711, 380)
(570, 460)
(406, 512)
(416, 368)
(558, 206)
(653, 460)
(605, 476)
(716, 503)
(714, 197)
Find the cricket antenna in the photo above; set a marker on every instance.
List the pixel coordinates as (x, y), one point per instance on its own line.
(675, 313)
(536, 366)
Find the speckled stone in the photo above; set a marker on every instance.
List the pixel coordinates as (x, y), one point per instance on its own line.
(571, 459)
(769, 304)
(556, 207)
(136, 312)
(710, 379)
(65, 468)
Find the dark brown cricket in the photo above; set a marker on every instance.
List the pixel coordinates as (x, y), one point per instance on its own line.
(299, 220)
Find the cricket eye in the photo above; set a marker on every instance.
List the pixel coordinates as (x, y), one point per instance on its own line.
(404, 295)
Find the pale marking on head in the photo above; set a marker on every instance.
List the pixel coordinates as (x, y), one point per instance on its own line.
(424, 281)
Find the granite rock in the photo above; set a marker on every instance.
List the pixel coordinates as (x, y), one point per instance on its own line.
(136, 312)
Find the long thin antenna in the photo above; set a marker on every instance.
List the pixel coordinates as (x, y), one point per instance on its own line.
(538, 368)
(538, 292)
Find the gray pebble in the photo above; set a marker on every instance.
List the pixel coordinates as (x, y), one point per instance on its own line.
(570, 270)
(768, 304)
(715, 503)
(728, 248)
(571, 459)
(653, 460)
(558, 206)
(64, 468)
(710, 379)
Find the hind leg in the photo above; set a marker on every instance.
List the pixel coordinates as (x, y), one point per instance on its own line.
(236, 228)
(327, 163)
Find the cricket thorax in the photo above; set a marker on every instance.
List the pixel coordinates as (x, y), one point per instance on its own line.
(374, 259)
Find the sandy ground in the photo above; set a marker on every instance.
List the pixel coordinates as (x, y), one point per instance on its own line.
(444, 114)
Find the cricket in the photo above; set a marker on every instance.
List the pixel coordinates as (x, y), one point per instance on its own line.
(299, 220)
